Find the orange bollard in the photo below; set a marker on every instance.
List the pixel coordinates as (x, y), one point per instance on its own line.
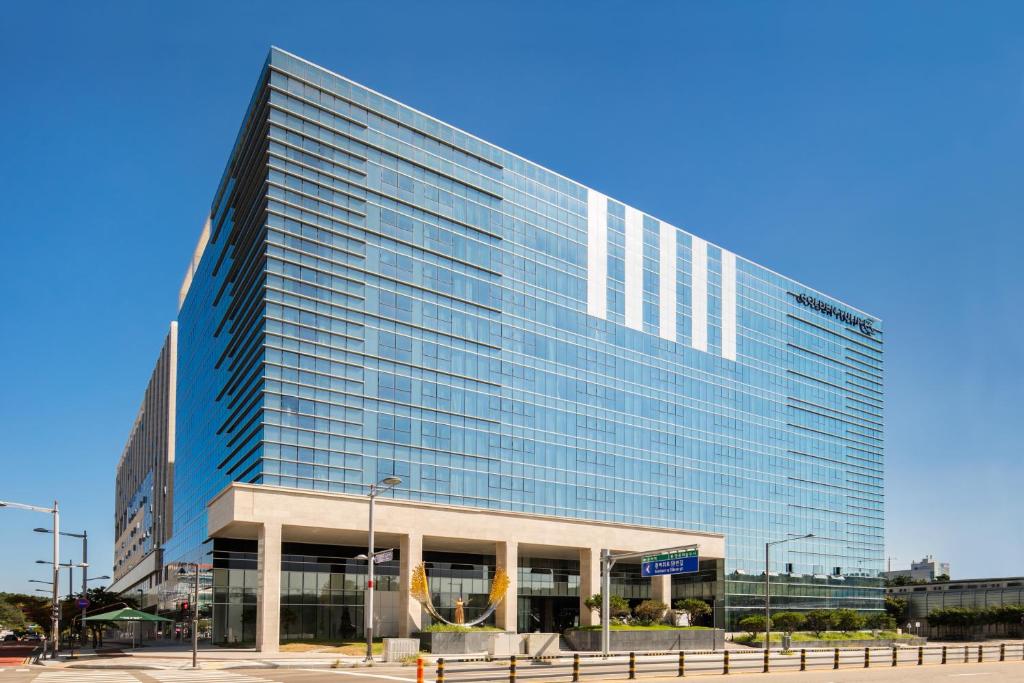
(419, 670)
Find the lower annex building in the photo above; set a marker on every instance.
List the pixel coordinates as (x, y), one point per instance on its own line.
(548, 371)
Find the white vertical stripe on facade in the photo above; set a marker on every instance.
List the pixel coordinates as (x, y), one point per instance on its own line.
(667, 284)
(597, 254)
(634, 269)
(728, 305)
(699, 290)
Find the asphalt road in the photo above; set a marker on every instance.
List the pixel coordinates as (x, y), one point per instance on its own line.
(951, 673)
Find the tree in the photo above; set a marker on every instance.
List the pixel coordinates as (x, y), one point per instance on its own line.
(618, 604)
(752, 624)
(880, 621)
(896, 608)
(697, 609)
(11, 617)
(904, 581)
(36, 609)
(847, 620)
(942, 578)
(788, 621)
(649, 612)
(101, 600)
(818, 621)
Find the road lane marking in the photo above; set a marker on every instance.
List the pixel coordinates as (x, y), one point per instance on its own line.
(345, 672)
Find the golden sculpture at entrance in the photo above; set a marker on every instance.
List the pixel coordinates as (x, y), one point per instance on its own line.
(460, 614)
(420, 590)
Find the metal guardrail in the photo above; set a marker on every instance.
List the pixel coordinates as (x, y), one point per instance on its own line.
(680, 664)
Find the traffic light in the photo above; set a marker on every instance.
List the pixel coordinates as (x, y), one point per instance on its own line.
(184, 609)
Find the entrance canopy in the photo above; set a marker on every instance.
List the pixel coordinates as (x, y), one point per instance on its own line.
(126, 614)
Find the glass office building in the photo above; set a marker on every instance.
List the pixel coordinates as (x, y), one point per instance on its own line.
(378, 293)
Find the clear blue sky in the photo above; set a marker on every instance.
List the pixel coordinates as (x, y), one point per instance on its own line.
(871, 150)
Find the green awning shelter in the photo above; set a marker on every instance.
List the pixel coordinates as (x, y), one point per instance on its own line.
(126, 614)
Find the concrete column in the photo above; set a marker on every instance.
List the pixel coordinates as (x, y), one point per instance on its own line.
(590, 583)
(410, 612)
(506, 554)
(268, 605)
(661, 589)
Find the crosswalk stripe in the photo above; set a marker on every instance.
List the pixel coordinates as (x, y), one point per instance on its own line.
(80, 676)
(218, 676)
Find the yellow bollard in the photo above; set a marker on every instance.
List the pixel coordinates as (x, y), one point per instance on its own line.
(576, 667)
(512, 669)
(1002, 652)
(835, 659)
(440, 670)
(867, 657)
(803, 659)
(894, 655)
(766, 661)
(920, 655)
(682, 663)
(943, 654)
(980, 654)
(632, 665)
(725, 662)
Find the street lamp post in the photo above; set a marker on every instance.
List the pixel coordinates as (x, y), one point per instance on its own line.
(375, 490)
(55, 611)
(85, 566)
(768, 594)
(138, 624)
(195, 609)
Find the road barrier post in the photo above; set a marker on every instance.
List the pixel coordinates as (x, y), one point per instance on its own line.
(419, 670)
(981, 655)
(632, 665)
(440, 670)
(1002, 652)
(943, 654)
(512, 669)
(803, 659)
(967, 653)
(835, 659)
(867, 657)
(576, 667)
(894, 655)
(766, 661)
(682, 664)
(920, 655)
(725, 662)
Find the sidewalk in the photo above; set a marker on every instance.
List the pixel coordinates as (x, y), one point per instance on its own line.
(179, 656)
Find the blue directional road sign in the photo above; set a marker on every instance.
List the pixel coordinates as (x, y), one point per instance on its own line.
(678, 562)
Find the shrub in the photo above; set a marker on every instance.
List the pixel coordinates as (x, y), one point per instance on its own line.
(788, 621)
(696, 608)
(818, 621)
(753, 624)
(649, 612)
(618, 604)
(880, 621)
(847, 620)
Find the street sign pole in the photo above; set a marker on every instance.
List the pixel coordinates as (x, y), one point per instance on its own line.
(606, 591)
(676, 560)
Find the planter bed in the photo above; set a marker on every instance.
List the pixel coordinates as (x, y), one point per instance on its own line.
(641, 640)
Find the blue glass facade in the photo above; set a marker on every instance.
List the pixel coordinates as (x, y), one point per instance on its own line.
(384, 294)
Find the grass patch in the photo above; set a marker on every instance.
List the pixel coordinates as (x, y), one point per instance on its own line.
(345, 647)
(807, 636)
(652, 627)
(458, 628)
